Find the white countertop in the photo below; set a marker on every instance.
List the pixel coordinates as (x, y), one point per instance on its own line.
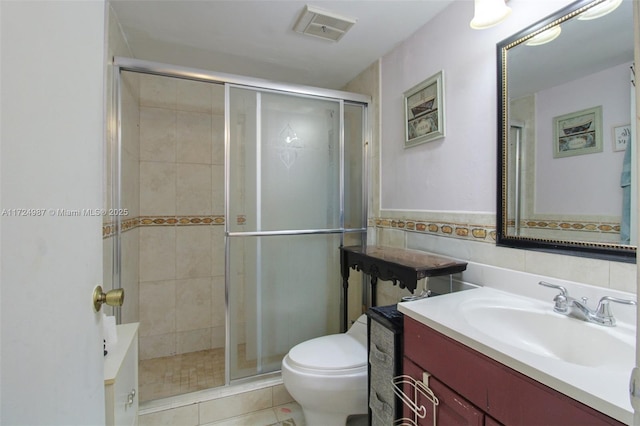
(603, 388)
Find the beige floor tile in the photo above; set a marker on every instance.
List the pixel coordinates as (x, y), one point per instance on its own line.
(290, 411)
(183, 373)
(258, 418)
(281, 396)
(236, 405)
(183, 416)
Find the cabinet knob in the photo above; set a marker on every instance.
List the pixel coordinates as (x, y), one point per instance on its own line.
(131, 397)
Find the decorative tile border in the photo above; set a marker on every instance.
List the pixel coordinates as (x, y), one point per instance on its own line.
(487, 233)
(109, 228)
(608, 227)
(475, 232)
(484, 233)
(181, 220)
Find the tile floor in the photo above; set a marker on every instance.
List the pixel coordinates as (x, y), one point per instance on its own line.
(189, 372)
(260, 402)
(179, 374)
(203, 370)
(283, 415)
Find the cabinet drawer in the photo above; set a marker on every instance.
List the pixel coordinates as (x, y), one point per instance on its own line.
(449, 361)
(383, 367)
(382, 411)
(382, 361)
(383, 338)
(382, 373)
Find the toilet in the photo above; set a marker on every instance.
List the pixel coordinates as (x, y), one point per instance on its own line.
(327, 376)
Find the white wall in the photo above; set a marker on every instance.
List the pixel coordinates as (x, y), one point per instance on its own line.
(51, 158)
(457, 173)
(590, 184)
(450, 184)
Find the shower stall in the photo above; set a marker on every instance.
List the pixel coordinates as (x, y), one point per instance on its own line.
(236, 194)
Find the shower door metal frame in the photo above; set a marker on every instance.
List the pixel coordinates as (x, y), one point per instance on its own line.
(114, 149)
(121, 64)
(341, 230)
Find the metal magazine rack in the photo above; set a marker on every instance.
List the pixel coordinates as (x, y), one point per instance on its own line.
(411, 401)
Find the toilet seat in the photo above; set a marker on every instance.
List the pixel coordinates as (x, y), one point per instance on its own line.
(327, 376)
(331, 354)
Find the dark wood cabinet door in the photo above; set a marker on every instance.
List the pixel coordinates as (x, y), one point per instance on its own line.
(452, 409)
(489, 421)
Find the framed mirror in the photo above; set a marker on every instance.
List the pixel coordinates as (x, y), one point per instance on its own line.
(566, 99)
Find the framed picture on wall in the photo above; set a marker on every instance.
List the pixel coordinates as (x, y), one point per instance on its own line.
(578, 133)
(621, 137)
(424, 111)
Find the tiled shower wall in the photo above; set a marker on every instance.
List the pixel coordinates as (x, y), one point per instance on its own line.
(172, 242)
(173, 237)
(181, 228)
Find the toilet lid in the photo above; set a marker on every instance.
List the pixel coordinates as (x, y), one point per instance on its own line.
(333, 352)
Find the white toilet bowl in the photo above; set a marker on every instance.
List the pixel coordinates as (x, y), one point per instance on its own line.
(327, 376)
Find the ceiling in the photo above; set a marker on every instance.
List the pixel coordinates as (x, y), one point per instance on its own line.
(255, 38)
(583, 48)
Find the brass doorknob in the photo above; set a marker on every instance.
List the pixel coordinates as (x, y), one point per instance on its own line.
(113, 297)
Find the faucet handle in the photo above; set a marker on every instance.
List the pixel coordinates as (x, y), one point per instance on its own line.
(561, 300)
(603, 311)
(563, 291)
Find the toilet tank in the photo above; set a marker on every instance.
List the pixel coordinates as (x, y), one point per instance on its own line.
(359, 328)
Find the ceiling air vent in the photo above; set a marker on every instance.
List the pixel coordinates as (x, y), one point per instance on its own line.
(320, 23)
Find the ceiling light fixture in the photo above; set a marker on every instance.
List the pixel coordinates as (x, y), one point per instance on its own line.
(488, 13)
(320, 23)
(545, 36)
(599, 10)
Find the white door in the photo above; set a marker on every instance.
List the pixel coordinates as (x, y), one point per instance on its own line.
(51, 150)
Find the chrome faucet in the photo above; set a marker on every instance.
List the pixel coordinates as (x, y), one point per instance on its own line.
(567, 305)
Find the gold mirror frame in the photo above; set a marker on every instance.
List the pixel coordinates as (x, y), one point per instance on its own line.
(607, 251)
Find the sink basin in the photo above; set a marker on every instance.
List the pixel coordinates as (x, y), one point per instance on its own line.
(531, 326)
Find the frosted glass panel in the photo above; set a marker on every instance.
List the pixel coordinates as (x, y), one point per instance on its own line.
(283, 290)
(285, 162)
(353, 166)
(284, 166)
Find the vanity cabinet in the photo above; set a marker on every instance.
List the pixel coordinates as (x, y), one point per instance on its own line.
(479, 390)
(121, 378)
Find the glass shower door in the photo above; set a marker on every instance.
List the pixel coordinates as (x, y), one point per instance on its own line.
(284, 224)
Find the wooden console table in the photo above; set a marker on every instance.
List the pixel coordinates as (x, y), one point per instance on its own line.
(401, 266)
